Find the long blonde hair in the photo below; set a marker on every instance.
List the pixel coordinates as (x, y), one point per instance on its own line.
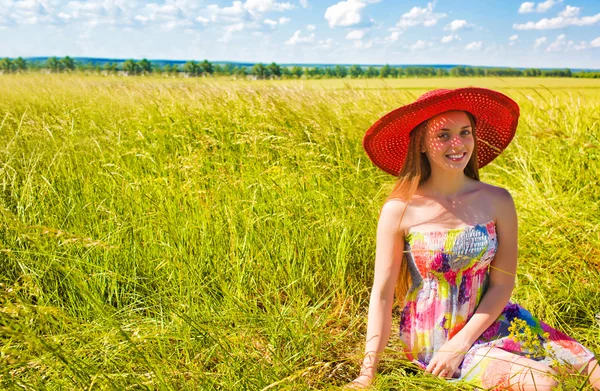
(416, 170)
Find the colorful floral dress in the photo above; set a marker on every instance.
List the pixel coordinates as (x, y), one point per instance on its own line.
(450, 273)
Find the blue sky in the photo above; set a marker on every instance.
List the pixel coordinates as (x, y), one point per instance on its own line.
(551, 33)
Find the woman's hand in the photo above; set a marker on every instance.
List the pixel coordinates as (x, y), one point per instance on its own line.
(447, 359)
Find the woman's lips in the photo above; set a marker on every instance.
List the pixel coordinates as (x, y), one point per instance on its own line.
(456, 157)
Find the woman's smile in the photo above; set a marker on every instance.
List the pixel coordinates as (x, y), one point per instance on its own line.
(457, 157)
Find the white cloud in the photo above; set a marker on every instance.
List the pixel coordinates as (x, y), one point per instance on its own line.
(546, 5)
(393, 37)
(233, 14)
(297, 38)
(355, 34)
(539, 42)
(270, 22)
(562, 44)
(67, 17)
(304, 3)
(167, 14)
(262, 6)
(242, 11)
(311, 27)
(456, 25)
(513, 37)
(420, 16)
(529, 6)
(450, 38)
(345, 13)
(559, 22)
(474, 46)
(362, 45)
(420, 44)
(324, 44)
(558, 45)
(570, 12)
(229, 30)
(119, 13)
(201, 20)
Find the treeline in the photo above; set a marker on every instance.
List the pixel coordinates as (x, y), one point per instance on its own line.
(274, 70)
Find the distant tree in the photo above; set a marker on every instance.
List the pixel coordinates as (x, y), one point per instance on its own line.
(297, 71)
(314, 73)
(192, 68)
(217, 70)
(54, 64)
(355, 71)
(260, 71)
(131, 67)
(286, 73)
(207, 67)
(394, 72)
(532, 72)
(371, 72)
(145, 66)
(330, 72)
(275, 69)
(228, 69)
(21, 64)
(68, 63)
(170, 69)
(111, 67)
(385, 71)
(240, 72)
(341, 71)
(7, 65)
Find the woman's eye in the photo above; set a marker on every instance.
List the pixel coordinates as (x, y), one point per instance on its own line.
(443, 135)
(465, 132)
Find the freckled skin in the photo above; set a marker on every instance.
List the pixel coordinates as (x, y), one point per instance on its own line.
(447, 134)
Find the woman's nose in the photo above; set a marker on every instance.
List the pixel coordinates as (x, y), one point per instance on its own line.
(456, 142)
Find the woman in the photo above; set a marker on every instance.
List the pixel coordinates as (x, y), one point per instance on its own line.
(448, 244)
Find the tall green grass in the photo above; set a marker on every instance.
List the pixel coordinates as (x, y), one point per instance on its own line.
(168, 234)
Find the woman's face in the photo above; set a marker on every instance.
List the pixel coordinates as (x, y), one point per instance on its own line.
(448, 141)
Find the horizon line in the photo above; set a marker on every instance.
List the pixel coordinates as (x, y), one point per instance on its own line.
(248, 63)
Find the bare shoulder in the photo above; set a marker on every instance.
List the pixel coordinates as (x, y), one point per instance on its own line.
(392, 214)
(393, 208)
(495, 193)
(498, 198)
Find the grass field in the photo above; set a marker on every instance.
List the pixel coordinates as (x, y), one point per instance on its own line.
(185, 234)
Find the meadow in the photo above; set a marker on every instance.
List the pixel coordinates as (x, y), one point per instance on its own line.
(184, 234)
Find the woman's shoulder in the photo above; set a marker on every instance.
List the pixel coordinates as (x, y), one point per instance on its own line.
(496, 196)
(488, 190)
(398, 212)
(394, 206)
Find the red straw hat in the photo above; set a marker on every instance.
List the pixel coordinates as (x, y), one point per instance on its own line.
(496, 117)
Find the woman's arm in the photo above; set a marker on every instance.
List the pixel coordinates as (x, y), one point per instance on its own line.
(388, 258)
(502, 272)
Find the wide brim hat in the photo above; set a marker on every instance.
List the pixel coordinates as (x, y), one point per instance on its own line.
(496, 118)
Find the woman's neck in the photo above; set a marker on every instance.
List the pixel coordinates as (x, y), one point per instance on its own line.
(446, 184)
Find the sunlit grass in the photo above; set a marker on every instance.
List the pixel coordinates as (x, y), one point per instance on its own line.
(162, 233)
